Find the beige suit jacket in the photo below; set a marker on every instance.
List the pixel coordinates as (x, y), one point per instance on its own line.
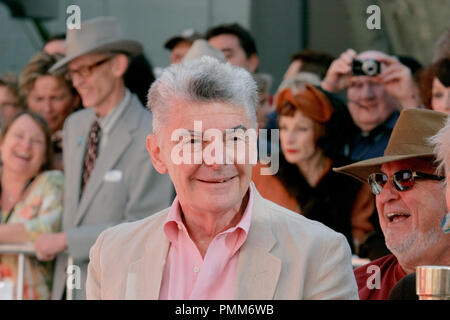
(285, 256)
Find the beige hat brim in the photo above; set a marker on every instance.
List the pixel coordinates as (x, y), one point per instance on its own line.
(362, 169)
(131, 47)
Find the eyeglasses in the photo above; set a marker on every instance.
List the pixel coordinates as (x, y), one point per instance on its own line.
(402, 180)
(86, 71)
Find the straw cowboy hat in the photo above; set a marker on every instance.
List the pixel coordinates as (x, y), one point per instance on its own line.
(409, 139)
(97, 35)
(201, 48)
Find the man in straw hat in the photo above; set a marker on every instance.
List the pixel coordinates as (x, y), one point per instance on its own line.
(410, 200)
(108, 176)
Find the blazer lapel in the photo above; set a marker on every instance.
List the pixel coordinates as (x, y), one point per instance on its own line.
(145, 275)
(258, 270)
(119, 139)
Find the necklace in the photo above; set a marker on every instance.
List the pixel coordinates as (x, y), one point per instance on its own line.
(10, 198)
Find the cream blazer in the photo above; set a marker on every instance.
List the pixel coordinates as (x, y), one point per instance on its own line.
(285, 256)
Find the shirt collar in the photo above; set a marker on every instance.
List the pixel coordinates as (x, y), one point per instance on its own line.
(386, 127)
(392, 120)
(174, 223)
(108, 121)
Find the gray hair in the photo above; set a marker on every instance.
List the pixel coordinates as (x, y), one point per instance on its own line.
(202, 80)
(441, 142)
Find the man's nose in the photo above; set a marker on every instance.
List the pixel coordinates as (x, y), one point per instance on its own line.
(388, 193)
(213, 157)
(367, 91)
(77, 80)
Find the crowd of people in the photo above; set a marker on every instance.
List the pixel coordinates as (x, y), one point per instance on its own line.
(88, 172)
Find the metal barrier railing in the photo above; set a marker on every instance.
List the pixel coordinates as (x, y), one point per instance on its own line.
(22, 250)
(27, 249)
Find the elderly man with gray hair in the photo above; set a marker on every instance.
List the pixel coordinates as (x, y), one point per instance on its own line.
(220, 239)
(441, 141)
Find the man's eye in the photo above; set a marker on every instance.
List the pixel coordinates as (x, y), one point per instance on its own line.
(355, 85)
(194, 140)
(236, 138)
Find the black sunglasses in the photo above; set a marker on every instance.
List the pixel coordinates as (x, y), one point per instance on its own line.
(402, 180)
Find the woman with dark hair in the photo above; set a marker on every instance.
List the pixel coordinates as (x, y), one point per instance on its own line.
(30, 198)
(305, 181)
(435, 86)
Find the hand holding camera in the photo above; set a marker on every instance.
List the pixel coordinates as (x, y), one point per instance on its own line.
(398, 81)
(339, 72)
(395, 77)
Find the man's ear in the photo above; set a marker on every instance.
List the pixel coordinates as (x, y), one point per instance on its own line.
(155, 153)
(253, 62)
(120, 65)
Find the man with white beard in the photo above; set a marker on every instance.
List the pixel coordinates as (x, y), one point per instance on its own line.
(410, 199)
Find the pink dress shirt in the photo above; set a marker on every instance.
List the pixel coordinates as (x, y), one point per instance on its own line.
(187, 276)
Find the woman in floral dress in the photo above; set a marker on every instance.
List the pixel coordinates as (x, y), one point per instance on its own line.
(31, 198)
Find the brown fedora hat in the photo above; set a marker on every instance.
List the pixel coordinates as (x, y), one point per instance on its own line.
(97, 35)
(409, 139)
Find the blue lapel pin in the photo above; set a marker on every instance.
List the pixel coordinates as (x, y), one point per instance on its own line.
(80, 140)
